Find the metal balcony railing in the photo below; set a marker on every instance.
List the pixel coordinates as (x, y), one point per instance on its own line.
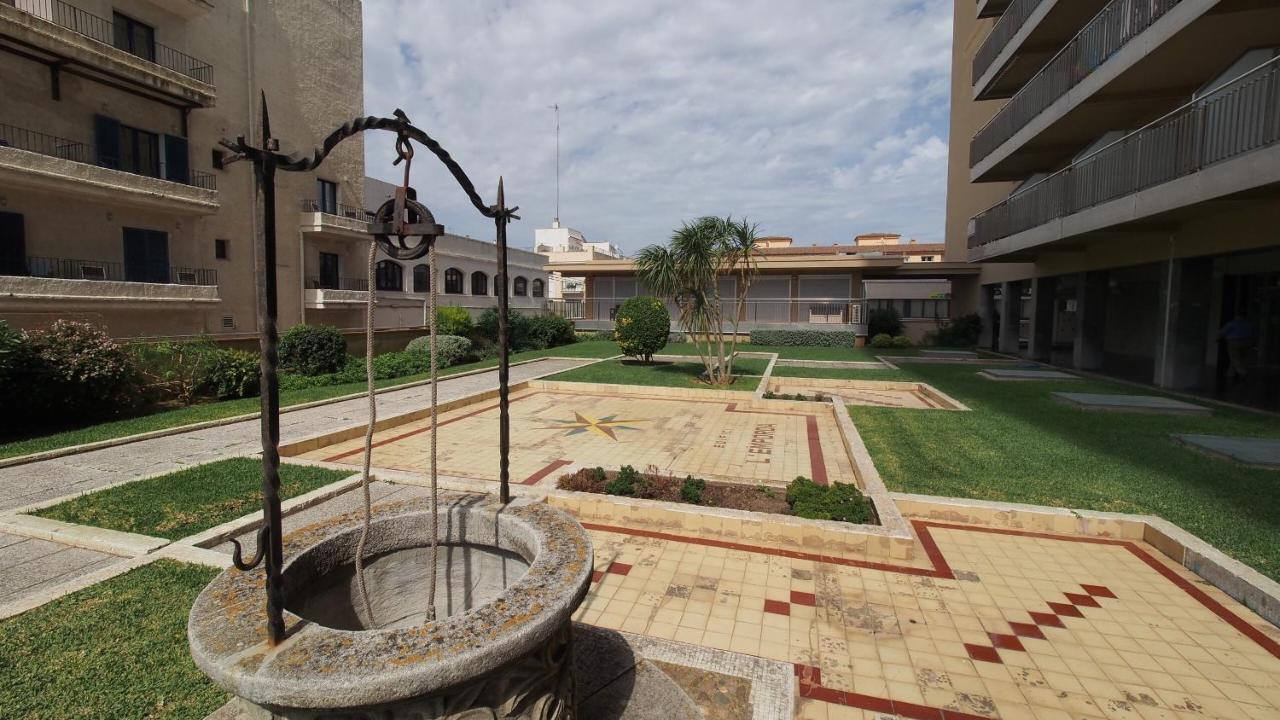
(1111, 29)
(1240, 116)
(785, 311)
(104, 31)
(53, 146)
(1005, 28)
(69, 269)
(315, 282)
(338, 209)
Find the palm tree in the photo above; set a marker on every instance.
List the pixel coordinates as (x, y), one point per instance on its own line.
(687, 271)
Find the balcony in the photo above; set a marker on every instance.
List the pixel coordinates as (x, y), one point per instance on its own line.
(47, 163)
(1223, 144)
(63, 280)
(831, 313)
(72, 40)
(1027, 34)
(335, 220)
(992, 8)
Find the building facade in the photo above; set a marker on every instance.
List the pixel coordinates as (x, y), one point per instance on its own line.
(1115, 172)
(115, 207)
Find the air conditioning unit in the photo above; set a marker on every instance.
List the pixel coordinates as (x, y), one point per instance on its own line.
(186, 277)
(93, 272)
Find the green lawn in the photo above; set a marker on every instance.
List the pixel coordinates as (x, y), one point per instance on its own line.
(117, 649)
(802, 353)
(188, 501)
(679, 374)
(230, 408)
(1020, 445)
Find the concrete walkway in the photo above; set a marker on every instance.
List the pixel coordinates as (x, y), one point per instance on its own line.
(34, 482)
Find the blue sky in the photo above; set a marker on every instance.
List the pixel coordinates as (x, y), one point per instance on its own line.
(817, 119)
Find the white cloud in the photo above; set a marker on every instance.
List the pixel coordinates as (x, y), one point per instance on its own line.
(819, 120)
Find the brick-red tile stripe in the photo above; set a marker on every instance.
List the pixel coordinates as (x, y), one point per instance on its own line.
(811, 687)
(555, 465)
(817, 462)
(419, 431)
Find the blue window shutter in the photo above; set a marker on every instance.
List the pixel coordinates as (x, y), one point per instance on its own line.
(106, 141)
(176, 166)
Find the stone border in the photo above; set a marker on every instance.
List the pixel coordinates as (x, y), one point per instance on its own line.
(205, 425)
(834, 364)
(835, 385)
(1185, 409)
(767, 376)
(1180, 440)
(111, 542)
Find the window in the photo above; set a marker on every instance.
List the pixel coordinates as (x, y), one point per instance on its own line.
(329, 271)
(538, 288)
(926, 258)
(221, 251)
(520, 287)
(327, 197)
(121, 147)
(146, 255)
(133, 37)
(479, 283)
(421, 278)
(453, 281)
(13, 244)
(389, 275)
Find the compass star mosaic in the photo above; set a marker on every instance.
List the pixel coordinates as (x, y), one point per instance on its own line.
(605, 426)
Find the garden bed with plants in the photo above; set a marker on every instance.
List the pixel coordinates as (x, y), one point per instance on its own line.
(801, 498)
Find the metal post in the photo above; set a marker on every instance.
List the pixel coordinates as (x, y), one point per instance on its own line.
(504, 412)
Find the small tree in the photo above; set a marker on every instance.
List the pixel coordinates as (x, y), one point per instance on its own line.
(642, 326)
(313, 349)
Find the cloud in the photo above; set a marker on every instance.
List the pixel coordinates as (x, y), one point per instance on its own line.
(818, 120)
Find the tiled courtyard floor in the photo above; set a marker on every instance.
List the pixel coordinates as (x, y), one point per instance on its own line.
(712, 439)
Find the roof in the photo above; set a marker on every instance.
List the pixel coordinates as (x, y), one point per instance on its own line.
(899, 249)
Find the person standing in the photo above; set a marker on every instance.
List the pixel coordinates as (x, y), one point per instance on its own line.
(1239, 335)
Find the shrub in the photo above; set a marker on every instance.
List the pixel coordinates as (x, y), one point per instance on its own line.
(175, 370)
(624, 483)
(233, 374)
(902, 341)
(884, 321)
(691, 489)
(550, 331)
(795, 337)
(391, 365)
(883, 340)
(585, 480)
(642, 326)
(960, 332)
(450, 349)
(454, 321)
(81, 372)
(838, 501)
(517, 329)
(313, 349)
(18, 369)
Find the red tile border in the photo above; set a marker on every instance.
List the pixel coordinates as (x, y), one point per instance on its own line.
(1082, 600)
(811, 688)
(984, 653)
(1047, 619)
(803, 598)
(618, 568)
(1098, 591)
(777, 607)
(555, 465)
(1065, 609)
(1027, 630)
(1000, 641)
(597, 576)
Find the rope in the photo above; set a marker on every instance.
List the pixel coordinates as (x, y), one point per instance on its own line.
(432, 271)
(368, 434)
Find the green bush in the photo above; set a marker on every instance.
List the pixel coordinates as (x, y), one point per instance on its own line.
(233, 374)
(450, 349)
(839, 501)
(961, 332)
(80, 372)
(549, 331)
(313, 349)
(902, 341)
(642, 325)
(18, 365)
(454, 321)
(517, 329)
(883, 340)
(799, 338)
(175, 370)
(390, 365)
(624, 483)
(692, 488)
(884, 321)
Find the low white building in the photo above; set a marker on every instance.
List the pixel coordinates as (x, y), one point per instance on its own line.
(565, 245)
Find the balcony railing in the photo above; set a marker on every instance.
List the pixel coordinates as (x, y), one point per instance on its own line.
(69, 269)
(1005, 28)
(104, 31)
(338, 209)
(786, 311)
(53, 146)
(1240, 116)
(1111, 29)
(315, 282)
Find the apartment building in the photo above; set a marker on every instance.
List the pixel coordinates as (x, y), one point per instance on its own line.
(1115, 172)
(115, 206)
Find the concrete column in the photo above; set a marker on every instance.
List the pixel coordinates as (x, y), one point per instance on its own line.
(1043, 296)
(1010, 316)
(588, 297)
(1091, 307)
(794, 314)
(987, 311)
(1180, 345)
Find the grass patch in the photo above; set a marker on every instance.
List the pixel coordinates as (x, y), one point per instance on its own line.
(188, 501)
(659, 374)
(206, 412)
(792, 352)
(1019, 445)
(117, 649)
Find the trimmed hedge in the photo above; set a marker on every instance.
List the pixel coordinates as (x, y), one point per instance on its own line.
(643, 325)
(798, 337)
(450, 349)
(838, 501)
(313, 349)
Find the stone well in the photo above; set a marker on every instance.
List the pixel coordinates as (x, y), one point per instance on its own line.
(509, 579)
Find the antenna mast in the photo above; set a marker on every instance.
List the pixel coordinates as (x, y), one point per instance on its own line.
(556, 107)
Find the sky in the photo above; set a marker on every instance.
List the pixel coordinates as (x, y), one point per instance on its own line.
(816, 119)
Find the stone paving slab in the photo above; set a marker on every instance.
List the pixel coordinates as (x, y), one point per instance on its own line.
(1012, 374)
(1106, 402)
(29, 565)
(1259, 452)
(26, 484)
(958, 354)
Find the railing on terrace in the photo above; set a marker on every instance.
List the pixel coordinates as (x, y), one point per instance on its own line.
(347, 211)
(104, 31)
(1005, 28)
(1240, 116)
(314, 282)
(53, 146)
(817, 311)
(1111, 29)
(69, 269)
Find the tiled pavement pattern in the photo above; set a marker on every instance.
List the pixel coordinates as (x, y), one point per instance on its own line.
(1005, 625)
(29, 565)
(33, 482)
(713, 439)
